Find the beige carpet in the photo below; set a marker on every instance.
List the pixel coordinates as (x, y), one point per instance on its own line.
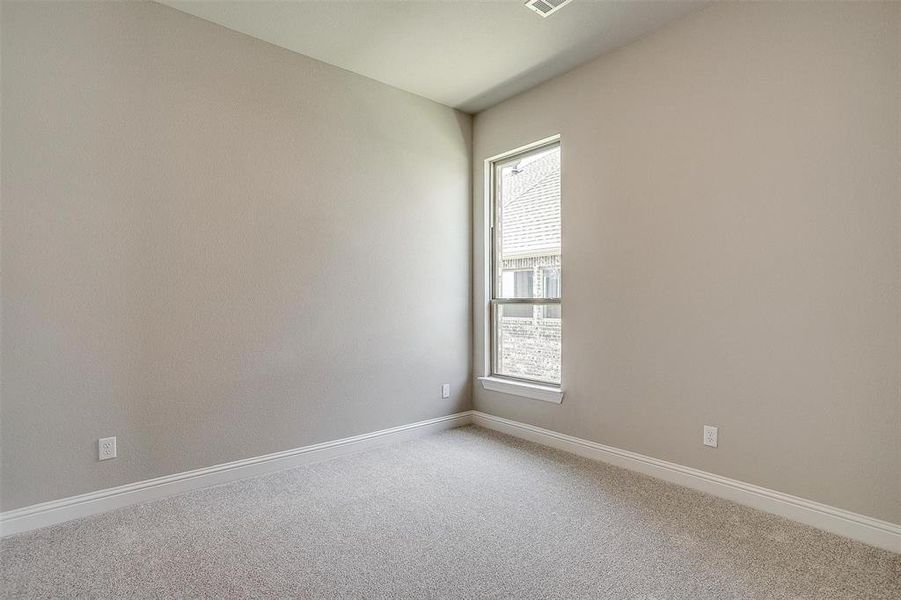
(462, 514)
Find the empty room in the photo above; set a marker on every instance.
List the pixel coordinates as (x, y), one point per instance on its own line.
(465, 299)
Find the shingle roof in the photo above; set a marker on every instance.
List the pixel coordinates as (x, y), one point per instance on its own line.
(531, 208)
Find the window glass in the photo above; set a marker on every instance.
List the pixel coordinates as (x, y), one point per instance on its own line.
(522, 287)
(550, 278)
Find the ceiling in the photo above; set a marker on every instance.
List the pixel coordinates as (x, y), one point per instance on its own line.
(466, 54)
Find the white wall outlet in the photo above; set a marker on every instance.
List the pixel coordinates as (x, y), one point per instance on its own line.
(711, 434)
(445, 390)
(107, 448)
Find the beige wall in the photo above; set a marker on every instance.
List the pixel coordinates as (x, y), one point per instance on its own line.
(730, 247)
(214, 248)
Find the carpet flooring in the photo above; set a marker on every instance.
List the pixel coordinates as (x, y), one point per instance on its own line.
(465, 513)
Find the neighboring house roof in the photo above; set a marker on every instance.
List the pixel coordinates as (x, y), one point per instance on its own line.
(531, 208)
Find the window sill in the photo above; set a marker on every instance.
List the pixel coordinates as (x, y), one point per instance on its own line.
(534, 391)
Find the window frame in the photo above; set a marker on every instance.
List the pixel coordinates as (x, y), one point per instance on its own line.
(494, 379)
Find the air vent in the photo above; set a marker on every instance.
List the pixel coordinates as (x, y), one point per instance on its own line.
(547, 7)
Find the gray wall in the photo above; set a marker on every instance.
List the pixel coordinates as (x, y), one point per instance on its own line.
(214, 248)
(730, 247)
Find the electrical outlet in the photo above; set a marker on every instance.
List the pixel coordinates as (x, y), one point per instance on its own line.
(711, 434)
(445, 390)
(106, 448)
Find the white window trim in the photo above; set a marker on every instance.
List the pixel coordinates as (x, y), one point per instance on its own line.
(534, 391)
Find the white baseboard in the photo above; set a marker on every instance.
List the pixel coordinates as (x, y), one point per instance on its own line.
(828, 518)
(74, 507)
(859, 527)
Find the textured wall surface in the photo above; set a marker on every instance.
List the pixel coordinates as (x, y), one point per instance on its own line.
(731, 256)
(214, 248)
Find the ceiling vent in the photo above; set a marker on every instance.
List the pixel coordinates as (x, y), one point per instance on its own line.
(547, 7)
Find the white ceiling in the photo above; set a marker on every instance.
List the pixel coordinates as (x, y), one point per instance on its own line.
(462, 53)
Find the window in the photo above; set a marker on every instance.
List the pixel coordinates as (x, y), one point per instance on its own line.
(526, 266)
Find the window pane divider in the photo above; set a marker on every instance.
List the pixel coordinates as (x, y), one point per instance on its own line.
(525, 300)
